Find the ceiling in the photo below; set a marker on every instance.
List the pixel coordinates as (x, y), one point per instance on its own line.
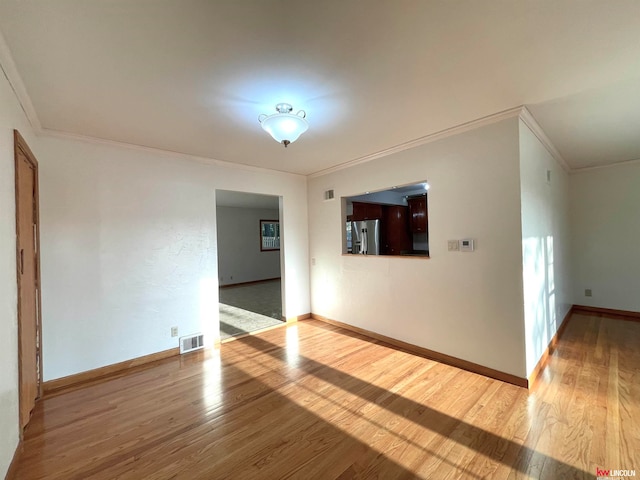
(192, 76)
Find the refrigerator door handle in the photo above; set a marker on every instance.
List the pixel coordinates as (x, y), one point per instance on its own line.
(365, 241)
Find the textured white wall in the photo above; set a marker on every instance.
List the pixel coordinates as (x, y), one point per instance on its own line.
(11, 116)
(605, 228)
(468, 305)
(545, 245)
(239, 254)
(129, 250)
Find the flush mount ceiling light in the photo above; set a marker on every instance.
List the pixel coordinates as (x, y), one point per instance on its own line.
(284, 126)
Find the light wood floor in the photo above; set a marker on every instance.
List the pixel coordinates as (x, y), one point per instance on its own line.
(311, 401)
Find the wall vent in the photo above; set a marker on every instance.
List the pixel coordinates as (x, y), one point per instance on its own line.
(329, 194)
(191, 343)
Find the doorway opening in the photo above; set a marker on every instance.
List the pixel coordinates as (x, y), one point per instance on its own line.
(249, 262)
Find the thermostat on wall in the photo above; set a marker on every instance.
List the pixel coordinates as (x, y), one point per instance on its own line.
(466, 245)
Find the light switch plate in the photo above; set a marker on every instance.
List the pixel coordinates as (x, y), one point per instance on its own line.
(467, 245)
(453, 245)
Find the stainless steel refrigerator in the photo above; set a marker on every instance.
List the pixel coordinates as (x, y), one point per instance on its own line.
(365, 237)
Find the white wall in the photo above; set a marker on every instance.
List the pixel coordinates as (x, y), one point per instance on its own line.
(129, 249)
(468, 305)
(388, 197)
(11, 116)
(605, 230)
(545, 244)
(239, 254)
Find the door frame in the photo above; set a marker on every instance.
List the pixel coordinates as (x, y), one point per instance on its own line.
(21, 145)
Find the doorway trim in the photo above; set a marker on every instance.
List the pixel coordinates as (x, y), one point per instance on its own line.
(21, 145)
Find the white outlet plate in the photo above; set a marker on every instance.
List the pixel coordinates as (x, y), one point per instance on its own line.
(174, 331)
(453, 245)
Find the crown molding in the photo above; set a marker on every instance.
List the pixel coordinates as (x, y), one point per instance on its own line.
(10, 70)
(608, 165)
(46, 132)
(536, 129)
(432, 137)
(521, 112)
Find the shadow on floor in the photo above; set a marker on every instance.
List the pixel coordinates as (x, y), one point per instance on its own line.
(497, 449)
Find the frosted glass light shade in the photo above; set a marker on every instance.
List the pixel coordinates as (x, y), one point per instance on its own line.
(284, 126)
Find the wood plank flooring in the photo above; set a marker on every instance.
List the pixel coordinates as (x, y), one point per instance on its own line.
(312, 401)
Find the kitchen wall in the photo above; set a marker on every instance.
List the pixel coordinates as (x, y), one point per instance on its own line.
(468, 305)
(129, 249)
(239, 254)
(605, 231)
(11, 116)
(545, 244)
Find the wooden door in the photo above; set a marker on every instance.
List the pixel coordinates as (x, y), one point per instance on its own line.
(27, 242)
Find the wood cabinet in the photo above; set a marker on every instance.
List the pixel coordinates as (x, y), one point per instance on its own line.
(395, 230)
(366, 211)
(418, 214)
